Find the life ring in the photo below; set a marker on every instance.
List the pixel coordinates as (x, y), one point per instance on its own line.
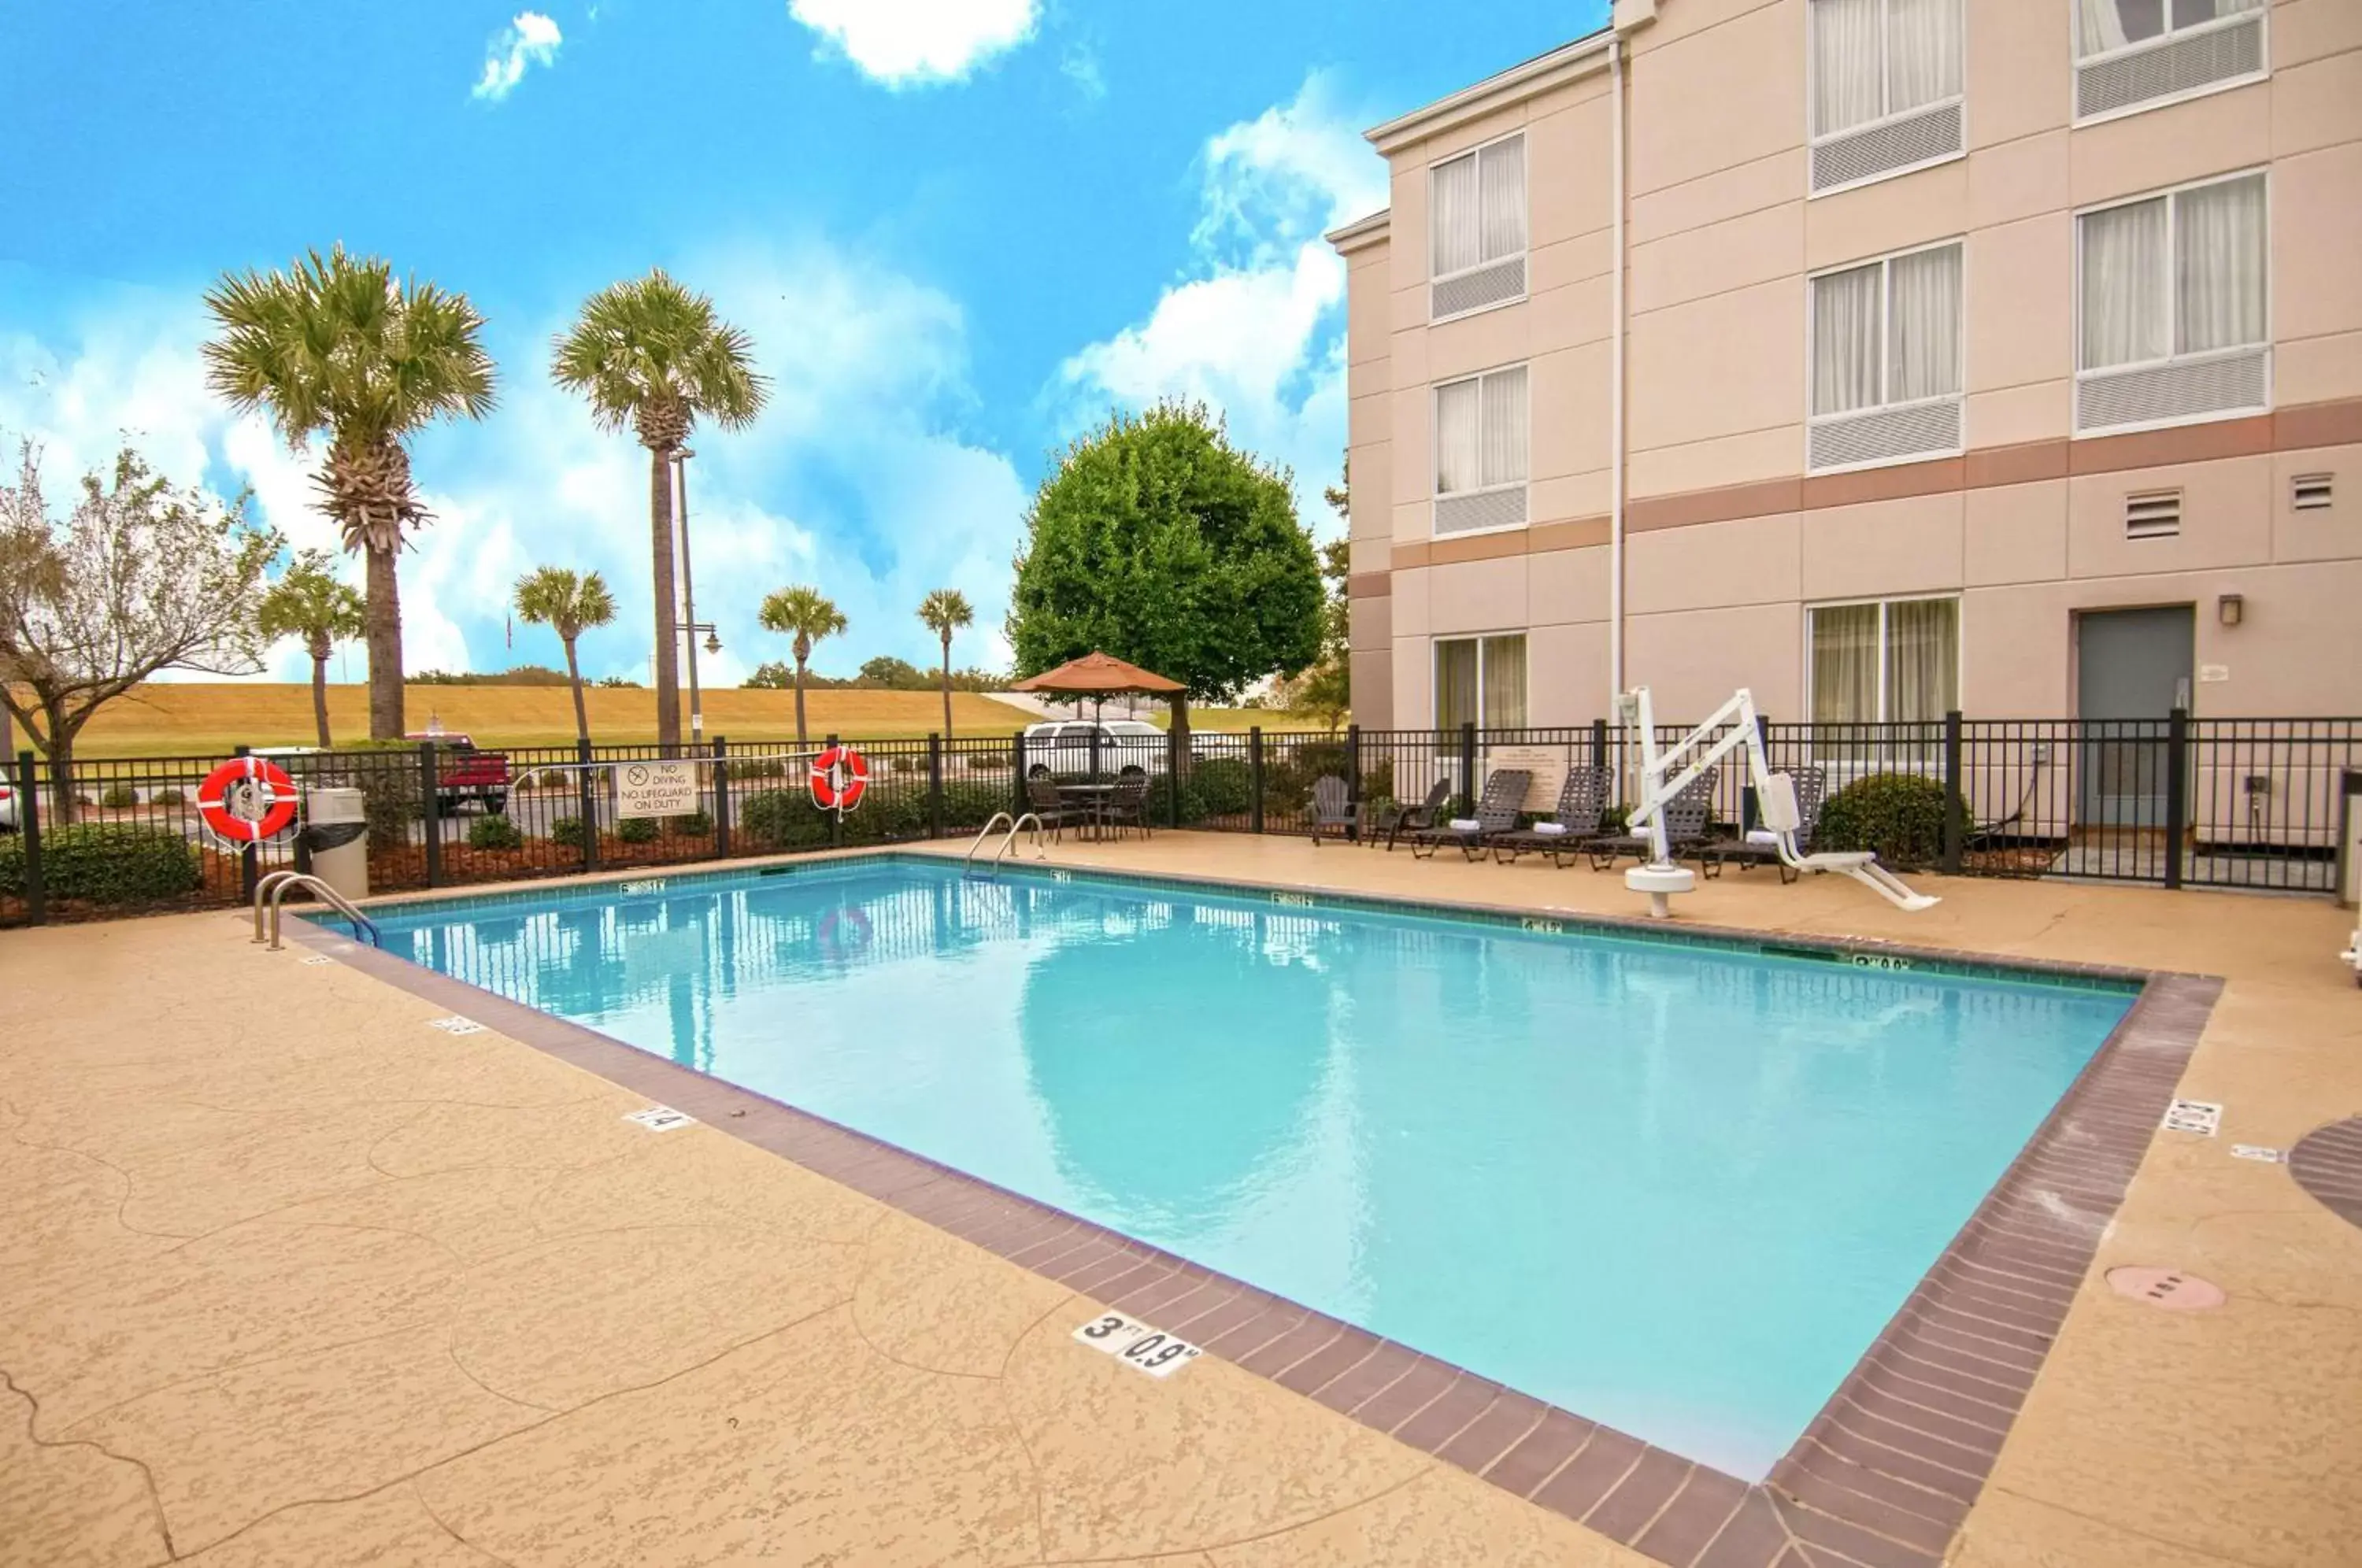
(837, 926)
(247, 800)
(839, 776)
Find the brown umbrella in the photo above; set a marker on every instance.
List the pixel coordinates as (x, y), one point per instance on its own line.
(1099, 675)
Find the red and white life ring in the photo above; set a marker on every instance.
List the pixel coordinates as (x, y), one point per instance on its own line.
(839, 775)
(247, 800)
(844, 932)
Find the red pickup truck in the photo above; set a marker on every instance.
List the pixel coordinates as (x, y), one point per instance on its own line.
(463, 773)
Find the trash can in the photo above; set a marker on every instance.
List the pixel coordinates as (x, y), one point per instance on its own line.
(335, 839)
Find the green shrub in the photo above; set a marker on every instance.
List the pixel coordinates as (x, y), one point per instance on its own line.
(566, 833)
(691, 825)
(1224, 786)
(168, 798)
(783, 819)
(115, 797)
(1899, 815)
(385, 772)
(105, 863)
(988, 761)
(637, 830)
(493, 832)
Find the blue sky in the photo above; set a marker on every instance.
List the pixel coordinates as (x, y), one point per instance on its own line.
(958, 230)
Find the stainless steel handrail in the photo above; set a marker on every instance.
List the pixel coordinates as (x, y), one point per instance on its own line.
(1009, 844)
(275, 887)
(967, 861)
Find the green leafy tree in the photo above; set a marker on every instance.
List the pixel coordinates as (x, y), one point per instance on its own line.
(771, 675)
(308, 602)
(807, 615)
(651, 355)
(139, 578)
(887, 672)
(945, 610)
(1159, 542)
(570, 605)
(337, 345)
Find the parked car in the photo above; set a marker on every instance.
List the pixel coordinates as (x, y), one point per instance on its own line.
(8, 806)
(464, 773)
(1063, 745)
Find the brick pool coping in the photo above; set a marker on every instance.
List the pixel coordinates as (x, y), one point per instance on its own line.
(1882, 1478)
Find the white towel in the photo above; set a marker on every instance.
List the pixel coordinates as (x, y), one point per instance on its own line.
(1465, 824)
(1764, 836)
(1549, 830)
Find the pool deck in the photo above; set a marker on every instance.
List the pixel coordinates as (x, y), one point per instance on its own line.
(271, 1292)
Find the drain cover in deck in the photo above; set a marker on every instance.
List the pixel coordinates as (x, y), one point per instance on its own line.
(2166, 1288)
(2327, 1163)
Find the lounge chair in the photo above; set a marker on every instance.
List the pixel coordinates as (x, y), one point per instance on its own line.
(1760, 845)
(1397, 819)
(1581, 803)
(1685, 826)
(1496, 813)
(1332, 807)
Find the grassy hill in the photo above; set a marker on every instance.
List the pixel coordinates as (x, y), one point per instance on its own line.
(206, 719)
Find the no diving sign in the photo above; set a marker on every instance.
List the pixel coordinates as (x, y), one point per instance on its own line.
(655, 788)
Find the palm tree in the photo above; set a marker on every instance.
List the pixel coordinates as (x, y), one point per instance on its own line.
(651, 354)
(310, 603)
(338, 345)
(808, 616)
(570, 605)
(945, 610)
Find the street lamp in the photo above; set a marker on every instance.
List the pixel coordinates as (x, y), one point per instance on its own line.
(688, 623)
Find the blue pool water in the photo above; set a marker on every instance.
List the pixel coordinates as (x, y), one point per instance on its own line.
(1676, 1189)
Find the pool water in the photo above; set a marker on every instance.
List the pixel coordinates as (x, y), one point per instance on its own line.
(1678, 1190)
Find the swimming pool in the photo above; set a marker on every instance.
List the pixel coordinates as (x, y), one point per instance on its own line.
(1678, 1188)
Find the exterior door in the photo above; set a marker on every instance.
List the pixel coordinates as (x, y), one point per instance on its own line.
(2133, 668)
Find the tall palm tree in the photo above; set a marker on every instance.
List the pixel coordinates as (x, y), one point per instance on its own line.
(807, 615)
(651, 354)
(338, 345)
(569, 605)
(310, 603)
(945, 610)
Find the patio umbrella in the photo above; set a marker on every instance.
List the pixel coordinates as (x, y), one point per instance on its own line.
(1099, 676)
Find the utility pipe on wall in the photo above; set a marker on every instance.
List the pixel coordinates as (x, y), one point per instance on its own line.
(1616, 388)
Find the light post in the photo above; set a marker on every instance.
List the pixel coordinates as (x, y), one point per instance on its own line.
(688, 623)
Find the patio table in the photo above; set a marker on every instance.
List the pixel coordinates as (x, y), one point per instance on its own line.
(1092, 799)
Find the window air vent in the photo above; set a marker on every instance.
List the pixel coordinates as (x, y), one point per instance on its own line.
(1473, 291)
(2170, 70)
(2311, 492)
(2149, 394)
(1853, 156)
(2153, 514)
(1484, 509)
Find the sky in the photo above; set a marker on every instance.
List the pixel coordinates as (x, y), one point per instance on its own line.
(959, 232)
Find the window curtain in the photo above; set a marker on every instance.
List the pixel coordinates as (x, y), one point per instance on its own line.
(1458, 237)
(1923, 659)
(1845, 340)
(2189, 13)
(1455, 683)
(1505, 683)
(1458, 454)
(1922, 53)
(1502, 175)
(2126, 318)
(1924, 324)
(1845, 664)
(1846, 64)
(2219, 266)
(1503, 426)
(2103, 25)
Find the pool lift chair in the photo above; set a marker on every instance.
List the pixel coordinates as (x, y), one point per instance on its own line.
(1665, 773)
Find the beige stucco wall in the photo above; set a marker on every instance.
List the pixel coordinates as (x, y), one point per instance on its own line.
(1721, 237)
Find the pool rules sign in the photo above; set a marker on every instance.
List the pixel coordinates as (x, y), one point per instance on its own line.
(655, 788)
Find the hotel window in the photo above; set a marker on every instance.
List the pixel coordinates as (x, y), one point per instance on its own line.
(2172, 306)
(1885, 87)
(2135, 54)
(1886, 360)
(1481, 681)
(1476, 206)
(1897, 661)
(1480, 452)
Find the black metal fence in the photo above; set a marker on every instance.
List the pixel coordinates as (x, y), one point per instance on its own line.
(2174, 803)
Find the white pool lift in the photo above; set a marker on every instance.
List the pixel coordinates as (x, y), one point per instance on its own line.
(1664, 774)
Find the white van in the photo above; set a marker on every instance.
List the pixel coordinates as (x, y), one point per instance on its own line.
(1063, 745)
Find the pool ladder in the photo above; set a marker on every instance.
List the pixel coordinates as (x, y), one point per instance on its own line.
(275, 888)
(1007, 845)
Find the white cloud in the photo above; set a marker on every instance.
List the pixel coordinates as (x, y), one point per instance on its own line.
(1081, 67)
(1257, 333)
(530, 39)
(905, 43)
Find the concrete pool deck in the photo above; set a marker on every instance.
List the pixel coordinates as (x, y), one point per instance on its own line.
(271, 1292)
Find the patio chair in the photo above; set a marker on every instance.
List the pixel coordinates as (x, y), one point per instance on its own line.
(1128, 802)
(1685, 826)
(1760, 845)
(1332, 807)
(1496, 813)
(1042, 798)
(1397, 819)
(1582, 803)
